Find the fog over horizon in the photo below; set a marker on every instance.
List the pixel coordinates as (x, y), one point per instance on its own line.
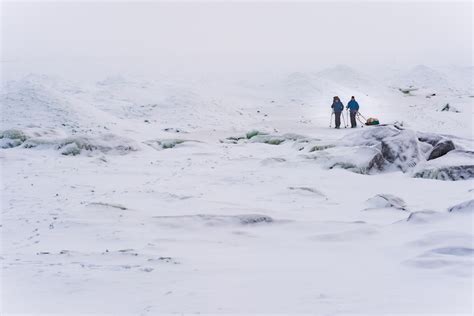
(118, 37)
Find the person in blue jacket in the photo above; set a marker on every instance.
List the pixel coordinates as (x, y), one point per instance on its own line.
(337, 108)
(353, 107)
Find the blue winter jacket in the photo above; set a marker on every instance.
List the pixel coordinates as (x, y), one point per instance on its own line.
(353, 105)
(337, 106)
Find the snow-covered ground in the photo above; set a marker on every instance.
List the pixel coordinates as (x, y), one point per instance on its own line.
(130, 195)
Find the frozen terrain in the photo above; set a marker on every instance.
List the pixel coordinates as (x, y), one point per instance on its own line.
(139, 196)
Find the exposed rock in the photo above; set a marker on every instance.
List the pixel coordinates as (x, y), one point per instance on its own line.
(449, 108)
(441, 149)
(254, 219)
(173, 130)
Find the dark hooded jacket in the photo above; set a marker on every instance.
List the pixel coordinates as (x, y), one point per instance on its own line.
(337, 106)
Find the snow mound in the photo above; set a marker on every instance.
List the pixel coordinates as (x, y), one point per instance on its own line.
(423, 77)
(454, 251)
(272, 161)
(345, 75)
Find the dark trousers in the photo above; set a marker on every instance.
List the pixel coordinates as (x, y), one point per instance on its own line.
(338, 118)
(353, 118)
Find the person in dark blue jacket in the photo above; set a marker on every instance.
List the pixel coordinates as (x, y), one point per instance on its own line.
(353, 107)
(337, 108)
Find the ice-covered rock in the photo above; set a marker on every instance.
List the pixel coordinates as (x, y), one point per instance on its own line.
(361, 159)
(160, 144)
(249, 135)
(275, 139)
(74, 145)
(71, 150)
(402, 150)
(215, 220)
(321, 146)
(429, 138)
(268, 139)
(308, 190)
(420, 217)
(371, 136)
(12, 138)
(465, 207)
(253, 133)
(455, 165)
(386, 201)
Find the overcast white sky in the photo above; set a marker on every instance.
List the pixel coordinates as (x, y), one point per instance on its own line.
(239, 34)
